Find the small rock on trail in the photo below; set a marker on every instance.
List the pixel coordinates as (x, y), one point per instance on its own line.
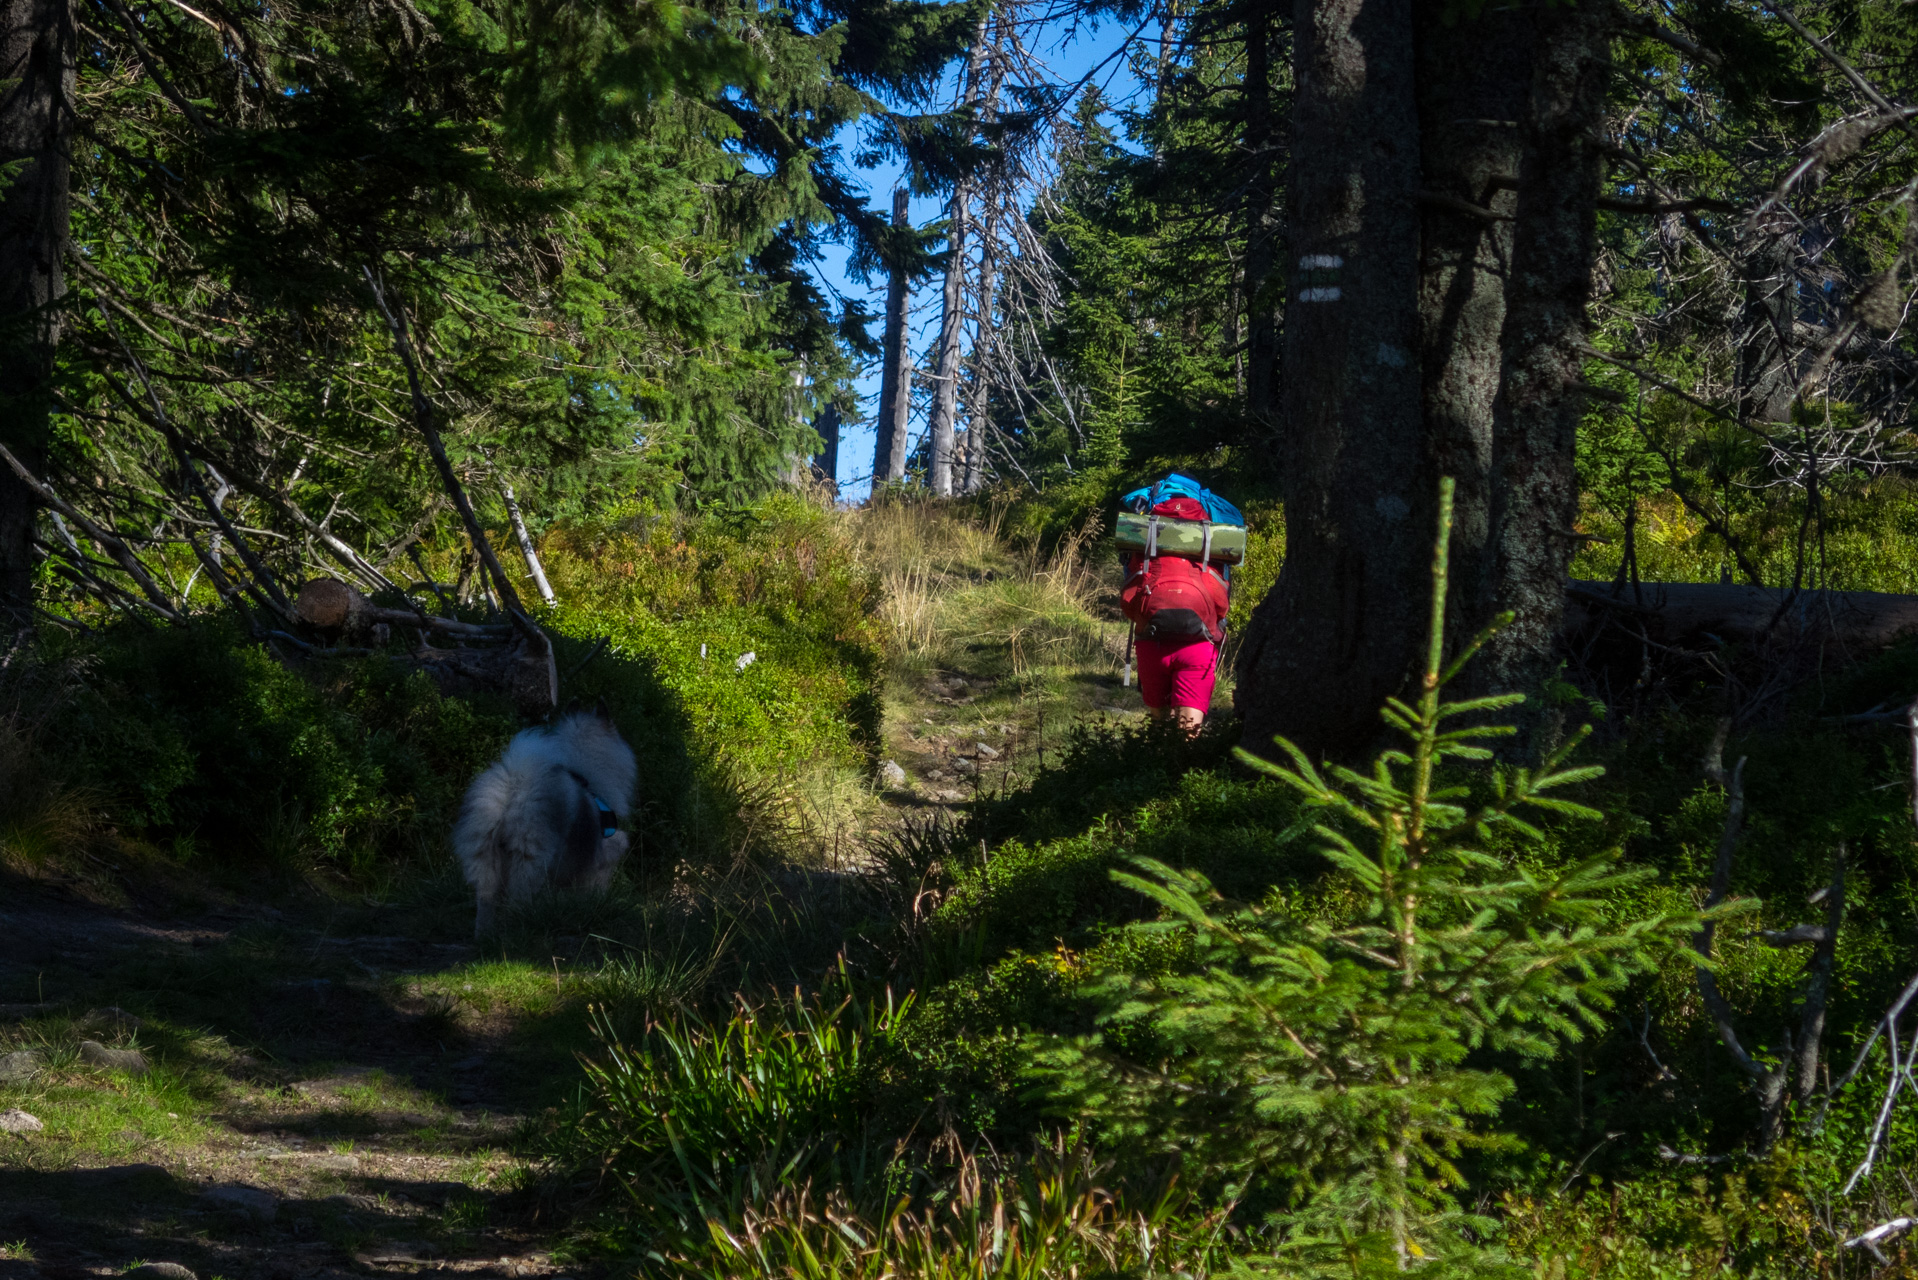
(159, 1271)
(131, 1061)
(17, 1121)
(22, 1064)
(891, 775)
(259, 1205)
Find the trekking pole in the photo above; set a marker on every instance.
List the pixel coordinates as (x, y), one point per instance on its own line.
(1125, 678)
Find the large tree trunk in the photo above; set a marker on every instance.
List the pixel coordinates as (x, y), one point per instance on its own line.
(1474, 78)
(1341, 629)
(37, 43)
(1263, 237)
(889, 457)
(1555, 243)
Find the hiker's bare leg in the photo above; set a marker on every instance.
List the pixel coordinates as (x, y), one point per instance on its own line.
(1188, 719)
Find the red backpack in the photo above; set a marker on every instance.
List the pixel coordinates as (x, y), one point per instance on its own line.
(1171, 597)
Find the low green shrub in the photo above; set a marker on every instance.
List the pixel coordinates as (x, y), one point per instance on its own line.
(691, 597)
(1118, 794)
(1319, 1069)
(207, 747)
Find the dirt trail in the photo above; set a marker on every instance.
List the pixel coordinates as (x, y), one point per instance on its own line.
(246, 1093)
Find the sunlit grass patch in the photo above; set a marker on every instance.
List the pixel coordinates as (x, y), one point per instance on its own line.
(96, 1119)
(503, 986)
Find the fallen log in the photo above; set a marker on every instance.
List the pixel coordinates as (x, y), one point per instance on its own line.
(332, 606)
(1692, 612)
(518, 666)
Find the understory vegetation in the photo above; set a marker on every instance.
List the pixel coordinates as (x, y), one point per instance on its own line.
(1126, 1005)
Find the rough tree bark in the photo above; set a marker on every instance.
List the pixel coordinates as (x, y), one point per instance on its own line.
(1535, 426)
(1505, 173)
(1474, 74)
(1341, 629)
(1767, 382)
(1264, 237)
(37, 43)
(895, 390)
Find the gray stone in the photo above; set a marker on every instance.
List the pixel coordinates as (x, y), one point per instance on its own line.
(22, 1064)
(964, 767)
(365, 1204)
(891, 775)
(17, 1121)
(111, 1018)
(337, 1163)
(985, 752)
(261, 1206)
(95, 1054)
(159, 1271)
(394, 1252)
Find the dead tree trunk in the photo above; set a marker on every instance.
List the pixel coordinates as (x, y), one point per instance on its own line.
(943, 423)
(525, 540)
(895, 392)
(1340, 630)
(37, 52)
(1767, 382)
(945, 391)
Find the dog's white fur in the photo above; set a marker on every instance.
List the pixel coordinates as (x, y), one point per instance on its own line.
(527, 824)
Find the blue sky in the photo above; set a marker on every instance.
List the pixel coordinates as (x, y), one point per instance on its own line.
(1071, 49)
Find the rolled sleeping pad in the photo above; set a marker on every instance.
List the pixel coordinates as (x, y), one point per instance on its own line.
(1176, 537)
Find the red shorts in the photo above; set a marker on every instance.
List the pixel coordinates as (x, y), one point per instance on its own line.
(1179, 676)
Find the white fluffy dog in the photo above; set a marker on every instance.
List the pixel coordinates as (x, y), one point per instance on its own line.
(546, 814)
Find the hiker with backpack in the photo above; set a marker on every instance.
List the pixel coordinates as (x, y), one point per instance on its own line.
(1178, 541)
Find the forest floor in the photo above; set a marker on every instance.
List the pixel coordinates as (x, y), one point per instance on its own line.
(274, 1085)
(302, 1097)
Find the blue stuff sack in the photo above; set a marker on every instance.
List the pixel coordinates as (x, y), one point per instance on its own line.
(1177, 486)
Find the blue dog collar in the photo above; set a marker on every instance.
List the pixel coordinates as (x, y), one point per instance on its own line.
(608, 820)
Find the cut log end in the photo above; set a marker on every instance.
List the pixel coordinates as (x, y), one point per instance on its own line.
(328, 603)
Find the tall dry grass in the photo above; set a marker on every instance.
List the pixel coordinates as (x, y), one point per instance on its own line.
(959, 593)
